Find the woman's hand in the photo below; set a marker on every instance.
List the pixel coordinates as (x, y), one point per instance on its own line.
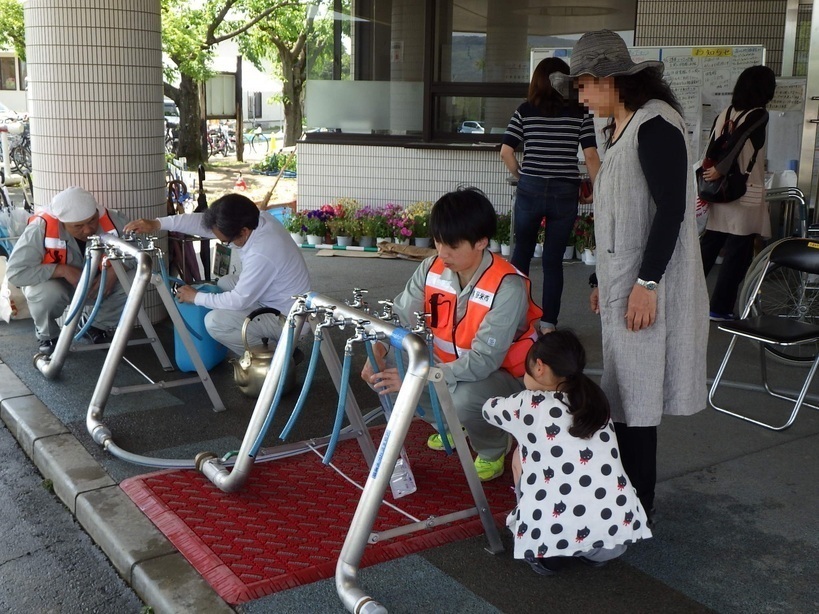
(594, 301)
(711, 174)
(642, 308)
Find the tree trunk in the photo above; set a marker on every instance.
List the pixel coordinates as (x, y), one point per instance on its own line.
(293, 110)
(190, 122)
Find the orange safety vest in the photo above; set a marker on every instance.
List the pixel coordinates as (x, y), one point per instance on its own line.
(56, 251)
(454, 338)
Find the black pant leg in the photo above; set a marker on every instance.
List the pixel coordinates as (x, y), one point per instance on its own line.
(739, 252)
(711, 243)
(638, 450)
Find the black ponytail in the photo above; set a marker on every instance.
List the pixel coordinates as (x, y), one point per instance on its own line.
(562, 351)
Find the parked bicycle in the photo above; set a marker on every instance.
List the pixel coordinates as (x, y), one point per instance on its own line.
(171, 137)
(221, 141)
(259, 142)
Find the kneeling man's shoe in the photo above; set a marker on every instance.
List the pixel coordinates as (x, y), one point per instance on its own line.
(47, 346)
(97, 335)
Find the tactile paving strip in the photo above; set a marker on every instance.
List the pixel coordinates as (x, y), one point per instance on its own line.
(287, 526)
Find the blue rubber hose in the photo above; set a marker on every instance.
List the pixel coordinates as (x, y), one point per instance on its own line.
(274, 405)
(342, 401)
(371, 356)
(399, 362)
(308, 382)
(436, 409)
(97, 303)
(84, 292)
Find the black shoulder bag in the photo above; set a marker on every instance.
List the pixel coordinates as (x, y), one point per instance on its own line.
(732, 185)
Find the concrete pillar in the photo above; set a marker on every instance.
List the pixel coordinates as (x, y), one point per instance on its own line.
(95, 101)
(95, 104)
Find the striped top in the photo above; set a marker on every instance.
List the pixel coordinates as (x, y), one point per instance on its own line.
(550, 143)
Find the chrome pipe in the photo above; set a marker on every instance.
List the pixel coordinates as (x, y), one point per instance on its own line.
(144, 264)
(213, 468)
(50, 366)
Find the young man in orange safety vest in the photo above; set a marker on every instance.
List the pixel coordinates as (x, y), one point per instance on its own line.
(482, 316)
(47, 261)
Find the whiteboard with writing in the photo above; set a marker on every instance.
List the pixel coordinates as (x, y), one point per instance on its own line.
(701, 77)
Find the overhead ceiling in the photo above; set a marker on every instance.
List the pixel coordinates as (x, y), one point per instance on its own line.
(546, 17)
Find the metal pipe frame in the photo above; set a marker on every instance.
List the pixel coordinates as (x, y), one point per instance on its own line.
(132, 311)
(51, 366)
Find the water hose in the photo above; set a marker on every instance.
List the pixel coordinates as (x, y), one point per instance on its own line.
(85, 285)
(308, 382)
(274, 405)
(399, 362)
(97, 303)
(342, 401)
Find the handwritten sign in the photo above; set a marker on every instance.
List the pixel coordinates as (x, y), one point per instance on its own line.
(712, 52)
(790, 97)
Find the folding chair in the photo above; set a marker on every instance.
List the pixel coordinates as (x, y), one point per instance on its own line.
(782, 316)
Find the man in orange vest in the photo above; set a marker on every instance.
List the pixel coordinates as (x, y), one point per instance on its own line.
(482, 316)
(47, 261)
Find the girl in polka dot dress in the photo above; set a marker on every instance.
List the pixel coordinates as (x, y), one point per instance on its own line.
(574, 498)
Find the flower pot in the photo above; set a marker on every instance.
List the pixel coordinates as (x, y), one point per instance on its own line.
(538, 250)
(505, 249)
(297, 237)
(315, 239)
(422, 241)
(344, 241)
(494, 246)
(589, 257)
(382, 240)
(568, 253)
(400, 241)
(366, 241)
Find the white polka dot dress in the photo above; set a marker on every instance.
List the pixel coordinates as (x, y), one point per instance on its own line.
(575, 495)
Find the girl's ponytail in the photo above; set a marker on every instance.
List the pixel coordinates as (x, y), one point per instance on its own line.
(562, 351)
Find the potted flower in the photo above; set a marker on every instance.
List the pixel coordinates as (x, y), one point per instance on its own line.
(418, 213)
(294, 223)
(315, 225)
(584, 237)
(382, 228)
(503, 234)
(367, 226)
(343, 225)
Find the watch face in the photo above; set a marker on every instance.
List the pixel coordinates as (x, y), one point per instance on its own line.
(651, 285)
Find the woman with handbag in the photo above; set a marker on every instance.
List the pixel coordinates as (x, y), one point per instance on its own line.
(734, 225)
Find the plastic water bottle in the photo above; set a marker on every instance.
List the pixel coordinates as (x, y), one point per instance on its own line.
(402, 481)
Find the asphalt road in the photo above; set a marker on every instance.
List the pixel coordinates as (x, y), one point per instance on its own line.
(47, 562)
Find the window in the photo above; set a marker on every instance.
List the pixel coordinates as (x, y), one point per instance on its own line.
(8, 74)
(440, 70)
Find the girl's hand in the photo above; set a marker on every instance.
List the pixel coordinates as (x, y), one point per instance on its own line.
(386, 381)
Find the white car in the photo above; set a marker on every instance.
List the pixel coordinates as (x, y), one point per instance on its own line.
(471, 127)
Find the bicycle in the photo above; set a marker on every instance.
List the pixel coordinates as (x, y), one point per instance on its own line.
(259, 143)
(171, 137)
(20, 154)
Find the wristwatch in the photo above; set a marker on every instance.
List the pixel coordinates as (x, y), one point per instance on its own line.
(648, 285)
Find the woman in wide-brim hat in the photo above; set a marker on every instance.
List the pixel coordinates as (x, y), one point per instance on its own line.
(651, 296)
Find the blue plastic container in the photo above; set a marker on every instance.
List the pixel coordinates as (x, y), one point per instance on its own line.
(211, 352)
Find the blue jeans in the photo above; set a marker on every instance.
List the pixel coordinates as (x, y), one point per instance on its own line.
(556, 200)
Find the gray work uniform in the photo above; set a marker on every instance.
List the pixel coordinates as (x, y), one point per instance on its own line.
(48, 298)
(475, 376)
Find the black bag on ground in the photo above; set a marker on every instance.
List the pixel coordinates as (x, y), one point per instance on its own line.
(732, 185)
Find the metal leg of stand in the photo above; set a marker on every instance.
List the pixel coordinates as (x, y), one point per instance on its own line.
(144, 320)
(352, 409)
(185, 337)
(458, 437)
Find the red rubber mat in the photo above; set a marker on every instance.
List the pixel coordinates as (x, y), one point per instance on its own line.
(287, 526)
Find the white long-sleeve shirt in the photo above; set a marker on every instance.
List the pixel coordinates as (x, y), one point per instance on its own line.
(273, 269)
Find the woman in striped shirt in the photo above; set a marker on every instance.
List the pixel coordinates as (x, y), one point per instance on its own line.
(551, 126)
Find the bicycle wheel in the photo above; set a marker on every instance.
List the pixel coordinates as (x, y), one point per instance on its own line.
(786, 293)
(259, 143)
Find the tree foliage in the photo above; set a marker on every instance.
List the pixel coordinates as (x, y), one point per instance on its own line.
(12, 29)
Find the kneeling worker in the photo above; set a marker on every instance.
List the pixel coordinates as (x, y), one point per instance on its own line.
(482, 316)
(273, 269)
(47, 263)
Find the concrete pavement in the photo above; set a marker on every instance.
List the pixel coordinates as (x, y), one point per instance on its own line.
(735, 528)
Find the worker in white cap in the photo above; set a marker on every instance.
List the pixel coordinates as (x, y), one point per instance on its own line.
(47, 261)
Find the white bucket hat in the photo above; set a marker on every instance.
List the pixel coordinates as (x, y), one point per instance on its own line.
(73, 205)
(604, 54)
